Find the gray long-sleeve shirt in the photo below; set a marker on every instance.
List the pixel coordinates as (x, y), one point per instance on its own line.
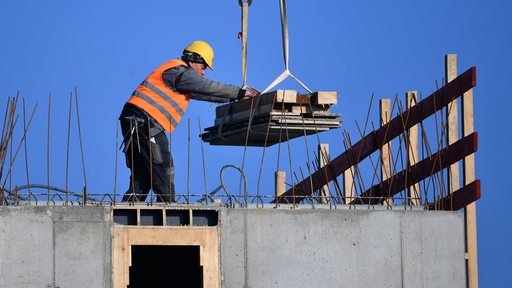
(184, 79)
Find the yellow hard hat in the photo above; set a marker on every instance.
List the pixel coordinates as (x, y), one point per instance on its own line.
(202, 49)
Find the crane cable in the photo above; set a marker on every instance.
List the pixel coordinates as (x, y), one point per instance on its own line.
(286, 73)
(285, 40)
(284, 28)
(243, 35)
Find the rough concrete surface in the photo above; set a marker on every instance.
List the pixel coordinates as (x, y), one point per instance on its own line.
(65, 246)
(342, 248)
(54, 247)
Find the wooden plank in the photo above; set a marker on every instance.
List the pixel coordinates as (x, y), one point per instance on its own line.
(286, 96)
(279, 98)
(259, 135)
(324, 98)
(317, 109)
(414, 193)
(305, 121)
(323, 157)
(313, 116)
(386, 154)
(277, 121)
(423, 169)
(287, 110)
(237, 124)
(452, 121)
(468, 170)
(244, 115)
(280, 183)
(315, 98)
(303, 99)
(348, 184)
(291, 124)
(120, 259)
(273, 97)
(471, 242)
(245, 104)
(458, 199)
(267, 108)
(373, 141)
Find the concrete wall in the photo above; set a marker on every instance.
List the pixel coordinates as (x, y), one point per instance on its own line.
(72, 247)
(48, 247)
(342, 248)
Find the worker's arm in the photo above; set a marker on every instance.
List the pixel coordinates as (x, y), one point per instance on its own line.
(186, 80)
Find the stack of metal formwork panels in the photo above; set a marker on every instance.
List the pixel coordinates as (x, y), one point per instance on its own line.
(272, 118)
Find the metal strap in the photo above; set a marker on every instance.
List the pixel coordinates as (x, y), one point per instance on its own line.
(245, 20)
(286, 73)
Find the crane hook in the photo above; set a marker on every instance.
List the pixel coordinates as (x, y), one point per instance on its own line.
(248, 2)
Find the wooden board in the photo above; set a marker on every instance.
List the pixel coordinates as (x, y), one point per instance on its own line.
(269, 116)
(324, 98)
(259, 135)
(279, 98)
(458, 199)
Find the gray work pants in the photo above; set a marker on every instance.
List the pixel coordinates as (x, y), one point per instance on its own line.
(148, 157)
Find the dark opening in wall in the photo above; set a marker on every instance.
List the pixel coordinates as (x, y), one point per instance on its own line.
(165, 266)
(172, 217)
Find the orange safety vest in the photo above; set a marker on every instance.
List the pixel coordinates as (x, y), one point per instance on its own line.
(158, 100)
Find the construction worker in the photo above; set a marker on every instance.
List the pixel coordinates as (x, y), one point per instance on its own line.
(157, 106)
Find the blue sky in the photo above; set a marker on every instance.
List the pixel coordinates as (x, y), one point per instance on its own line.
(105, 48)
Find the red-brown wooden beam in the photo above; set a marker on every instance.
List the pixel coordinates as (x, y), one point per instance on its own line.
(421, 170)
(458, 199)
(374, 141)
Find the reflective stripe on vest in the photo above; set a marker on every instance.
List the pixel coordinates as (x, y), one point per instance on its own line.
(159, 101)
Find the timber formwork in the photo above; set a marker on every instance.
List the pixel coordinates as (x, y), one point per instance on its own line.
(272, 118)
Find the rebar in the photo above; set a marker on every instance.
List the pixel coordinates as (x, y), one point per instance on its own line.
(80, 138)
(204, 163)
(67, 146)
(48, 148)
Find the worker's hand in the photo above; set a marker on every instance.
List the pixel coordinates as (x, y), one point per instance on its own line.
(250, 93)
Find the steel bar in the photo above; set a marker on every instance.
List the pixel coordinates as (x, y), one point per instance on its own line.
(80, 138)
(15, 154)
(115, 163)
(188, 160)
(25, 146)
(67, 145)
(204, 163)
(48, 150)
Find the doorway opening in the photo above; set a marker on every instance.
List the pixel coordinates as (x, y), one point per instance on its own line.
(165, 266)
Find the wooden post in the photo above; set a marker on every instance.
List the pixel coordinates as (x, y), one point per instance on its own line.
(452, 122)
(280, 177)
(323, 157)
(386, 154)
(469, 176)
(348, 184)
(411, 143)
(468, 169)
